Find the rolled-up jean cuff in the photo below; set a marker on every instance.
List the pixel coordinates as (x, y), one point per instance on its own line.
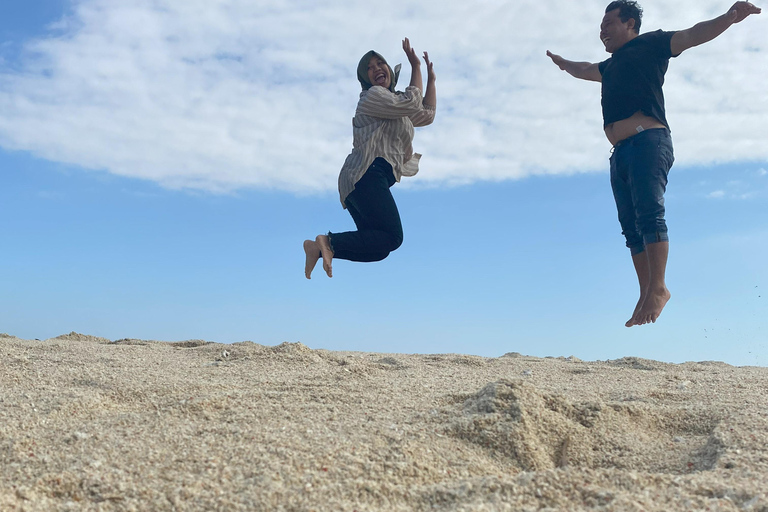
(650, 238)
(654, 238)
(636, 249)
(330, 242)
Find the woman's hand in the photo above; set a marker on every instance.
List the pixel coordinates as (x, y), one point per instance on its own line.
(430, 95)
(430, 69)
(411, 54)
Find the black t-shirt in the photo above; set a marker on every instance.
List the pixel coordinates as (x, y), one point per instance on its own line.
(633, 76)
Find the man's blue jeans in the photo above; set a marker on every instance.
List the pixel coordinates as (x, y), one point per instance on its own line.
(374, 211)
(639, 170)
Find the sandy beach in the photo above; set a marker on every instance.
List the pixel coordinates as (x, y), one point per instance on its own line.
(88, 423)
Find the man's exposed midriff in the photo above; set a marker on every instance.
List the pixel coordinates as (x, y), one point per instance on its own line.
(624, 129)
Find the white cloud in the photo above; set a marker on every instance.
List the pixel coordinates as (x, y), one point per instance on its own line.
(717, 194)
(223, 94)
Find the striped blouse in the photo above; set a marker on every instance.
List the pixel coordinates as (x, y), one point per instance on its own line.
(383, 127)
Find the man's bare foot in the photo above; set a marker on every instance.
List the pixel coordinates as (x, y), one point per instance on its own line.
(312, 251)
(638, 307)
(651, 309)
(324, 244)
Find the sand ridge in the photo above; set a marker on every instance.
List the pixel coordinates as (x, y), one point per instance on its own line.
(92, 424)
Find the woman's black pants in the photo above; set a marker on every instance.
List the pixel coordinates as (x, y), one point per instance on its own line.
(374, 211)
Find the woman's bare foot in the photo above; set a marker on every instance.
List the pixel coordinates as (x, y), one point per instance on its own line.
(312, 251)
(315, 249)
(324, 243)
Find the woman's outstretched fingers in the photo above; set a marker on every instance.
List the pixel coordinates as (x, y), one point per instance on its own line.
(413, 59)
(430, 67)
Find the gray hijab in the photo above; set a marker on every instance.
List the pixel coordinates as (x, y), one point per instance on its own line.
(362, 71)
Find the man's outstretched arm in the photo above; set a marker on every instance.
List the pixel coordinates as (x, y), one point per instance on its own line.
(708, 30)
(583, 70)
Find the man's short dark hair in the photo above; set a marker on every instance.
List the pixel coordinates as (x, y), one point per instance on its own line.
(627, 9)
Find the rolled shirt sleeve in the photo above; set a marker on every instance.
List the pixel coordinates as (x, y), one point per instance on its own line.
(423, 117)
(384, 104)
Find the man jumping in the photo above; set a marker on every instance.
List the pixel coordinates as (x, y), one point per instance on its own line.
(635, 124)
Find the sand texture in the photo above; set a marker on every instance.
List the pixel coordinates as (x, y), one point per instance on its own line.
(92, 424)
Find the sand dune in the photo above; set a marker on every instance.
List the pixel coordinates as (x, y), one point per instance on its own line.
(92, 424)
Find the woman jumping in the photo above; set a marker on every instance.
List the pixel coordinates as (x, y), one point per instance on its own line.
(381, 155)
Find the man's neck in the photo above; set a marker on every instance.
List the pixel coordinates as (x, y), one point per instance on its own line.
(631, 37)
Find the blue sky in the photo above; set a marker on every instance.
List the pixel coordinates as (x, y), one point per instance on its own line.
(159, 170)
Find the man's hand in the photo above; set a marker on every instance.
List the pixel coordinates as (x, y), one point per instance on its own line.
(706, 31)
(582, 70)
(558, 60)
(740, 10)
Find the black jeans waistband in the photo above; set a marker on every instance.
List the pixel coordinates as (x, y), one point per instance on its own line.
(640, 135)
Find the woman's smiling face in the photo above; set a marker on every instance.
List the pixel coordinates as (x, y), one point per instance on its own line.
(378, 72)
